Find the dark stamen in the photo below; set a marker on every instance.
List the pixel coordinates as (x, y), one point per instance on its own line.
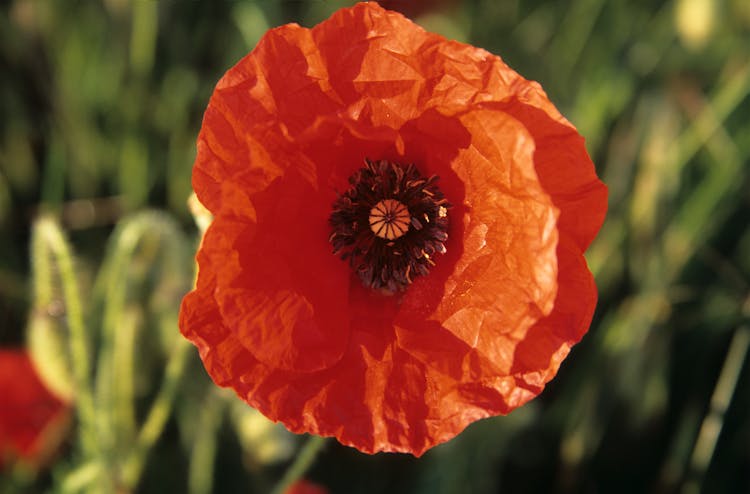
(389, 224)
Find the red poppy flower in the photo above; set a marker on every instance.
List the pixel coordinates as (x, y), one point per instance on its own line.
(30, 416)
(484, 294)
(306, 487)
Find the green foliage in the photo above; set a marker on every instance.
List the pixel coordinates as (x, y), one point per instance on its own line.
(100, 103)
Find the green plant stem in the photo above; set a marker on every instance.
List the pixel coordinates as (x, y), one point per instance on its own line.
(80, 353)
(115, 399)
(143, 36)
(301, 464)
(203, 452)
(157, 415)
(713, 422)
(124, 367)
(112, 378)
(43, 284)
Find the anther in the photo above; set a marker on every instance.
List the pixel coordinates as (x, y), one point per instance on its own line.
(407, 216)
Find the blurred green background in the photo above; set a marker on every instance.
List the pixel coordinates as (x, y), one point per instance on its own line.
(100, 105)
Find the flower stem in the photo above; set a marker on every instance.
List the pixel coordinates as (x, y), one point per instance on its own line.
(157, 414)
(301, 464)
(203, 454)
(114, 397)
(51, 234)
(712, 424)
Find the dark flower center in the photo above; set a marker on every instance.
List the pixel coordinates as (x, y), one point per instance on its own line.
(389, 224)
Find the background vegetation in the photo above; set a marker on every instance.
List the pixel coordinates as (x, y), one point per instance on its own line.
(100, 104)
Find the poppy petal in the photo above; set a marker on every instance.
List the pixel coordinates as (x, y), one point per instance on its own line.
(286, 324)
(31, 417)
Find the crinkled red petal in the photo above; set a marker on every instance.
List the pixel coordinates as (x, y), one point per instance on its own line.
(28, 408)
(283, 322)
(306, 487)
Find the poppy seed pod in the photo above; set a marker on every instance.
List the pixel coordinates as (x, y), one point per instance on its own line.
(458, 196)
